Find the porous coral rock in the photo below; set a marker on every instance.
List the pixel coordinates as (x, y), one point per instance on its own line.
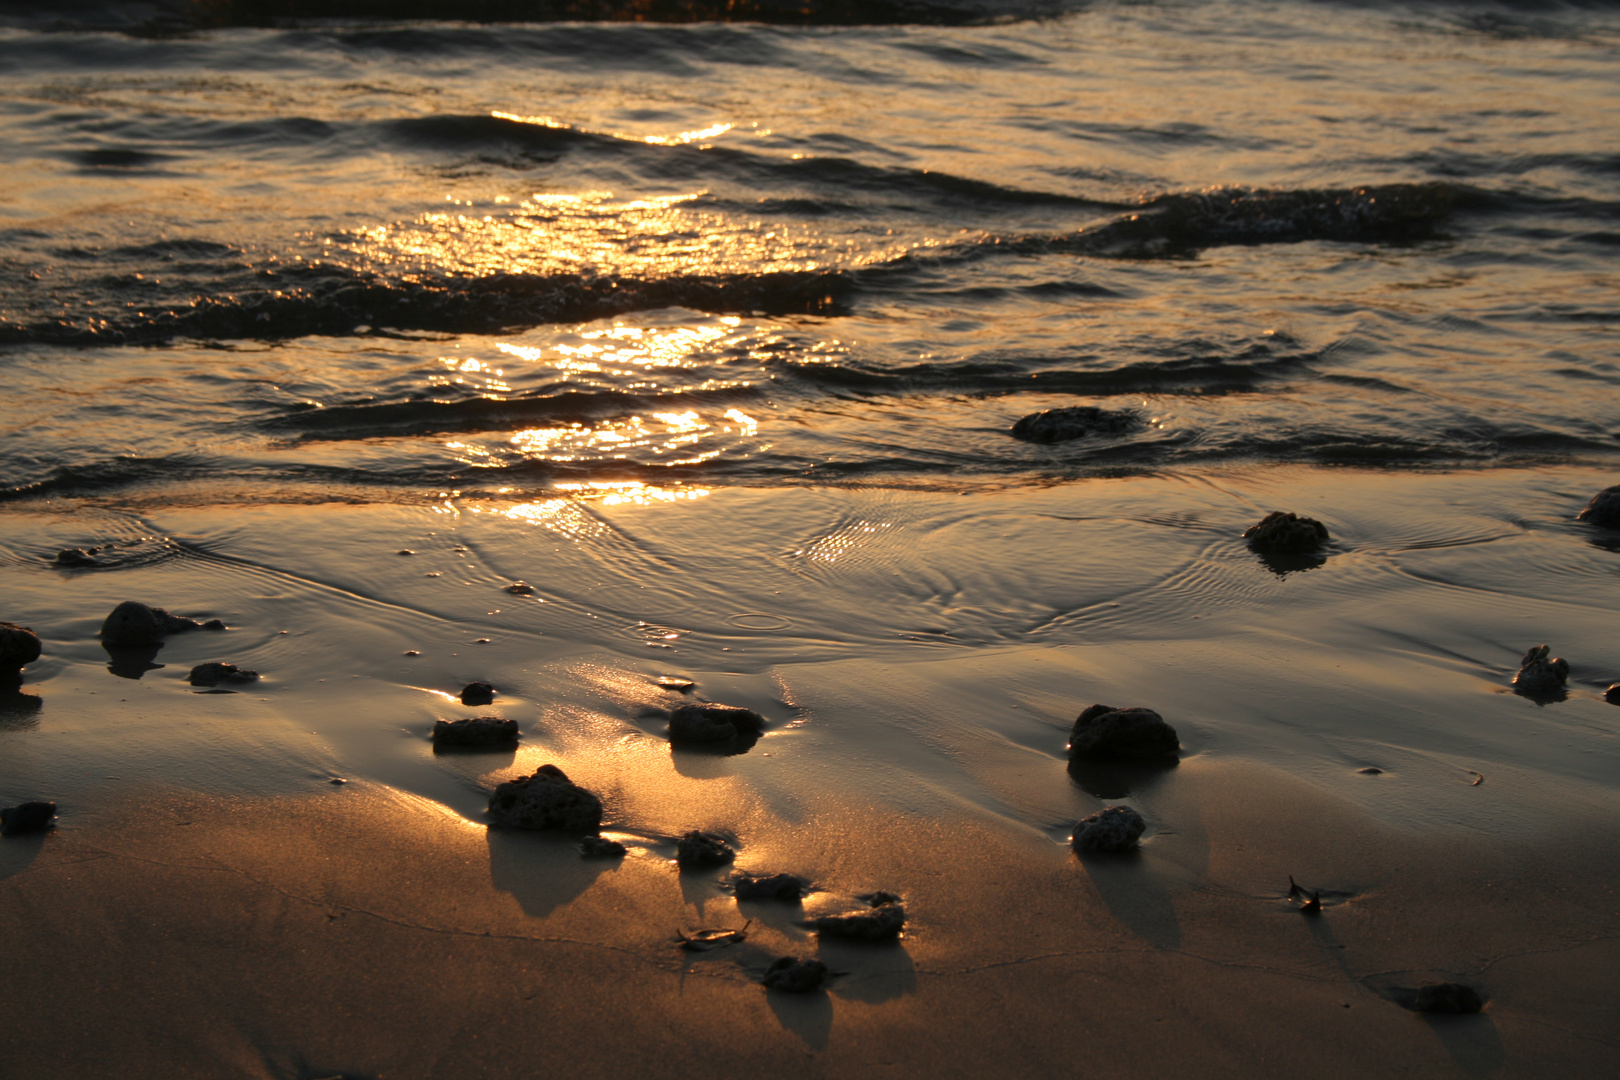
(546, 800)
(1116, 828)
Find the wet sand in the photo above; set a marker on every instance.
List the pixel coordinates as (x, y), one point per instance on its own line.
(211, 904)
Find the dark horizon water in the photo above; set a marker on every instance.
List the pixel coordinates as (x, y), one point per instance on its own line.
(249, 256)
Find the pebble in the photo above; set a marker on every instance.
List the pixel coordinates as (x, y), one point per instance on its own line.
(884, 920)
(697, 849)
(1117, 828)
(475, 731)
(1455, 999)
(1604, 509)
(1074, 422)
(19, 645)
(789, 888)
(26, 818)
(212, 674)
(520, 588)
(1280, 533)
(477, 693)
(600, 847)
(546, 800)
(795, 975)
(705, 722)
(1540, 675)
(1134, 734)
(134, 623)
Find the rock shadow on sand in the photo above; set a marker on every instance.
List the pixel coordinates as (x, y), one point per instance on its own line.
(1133, 895)
(542, 870)
(875, 972)
(809, 1016)
(1118, 779)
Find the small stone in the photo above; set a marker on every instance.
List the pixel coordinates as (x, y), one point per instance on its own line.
(26, 818)
(1279, 533)
(405, 551)
(337, 780)
(705, 722)
(697, 849)
(520, 588)
(475, 731)
(1541, 676)
(1612, 694)
(788, 888)
(214, 624)
(1134, 734)
(19, 646)
(1451, 998)
(1371, 770)
(1074, 422)
(212, 674)
(882, 921)
(1117, 828)
(546, 800)
(477, 693)
(600, 847)
(76, 557)
(793, 975)
(408, 652)
(1604, 509)
(678, 683)
(134, 623)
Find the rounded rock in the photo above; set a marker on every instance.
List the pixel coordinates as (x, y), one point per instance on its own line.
(706, 722)
(1073, 422)
(1280, 533)
(19, 645)
(793, 975)
(26, 818)
(1134, 734)
(520, 588)
(1612, 694)
(135, 623)
(886, 920)
(477, 693)
(600, 847)
(703, 849)
(1604, 509)
(1117, 828)
(788, 888)
(546, 800)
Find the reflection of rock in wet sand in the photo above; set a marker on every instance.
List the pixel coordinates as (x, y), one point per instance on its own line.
(131, 661)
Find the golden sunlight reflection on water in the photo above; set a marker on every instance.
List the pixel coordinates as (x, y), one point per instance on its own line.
(568, 513)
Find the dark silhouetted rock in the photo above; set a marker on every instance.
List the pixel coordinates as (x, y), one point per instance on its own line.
(793, 975)
(212, 674)
(705, 722)
(475, 731)
(697, 849)
(786, 887)
(884, 920)
(76, 557)
(477, 693)
(1074, 422)
(1612, 694)
(1122, 735)
(27, 818)
(1604, 509)
(1279, 533)
(1117, 828)
(134, 623)
(1450, 998)
(600, 847)
(546, 800)
(520, 588)
(1541, 677)
(19, 646)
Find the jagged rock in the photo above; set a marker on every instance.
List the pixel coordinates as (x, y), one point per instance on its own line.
(1540, 676)
(1117, 828)
(76, 557)
(1074, 422)
(703, 849)
(786, 887)
(26, 818)
(1280, 533)
(19, 646)
(1452, 998)
(475, 731)
(1134, 734)
(600, 847)
(706, 722)
(793, 975)
(884, 920)
(477, 693)
(520, 588)
(212, 674)
(1604, 509)
(134, 623)
(546, 800)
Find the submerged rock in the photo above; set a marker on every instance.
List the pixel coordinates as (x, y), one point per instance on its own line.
(884, 920)
(1449, 998)
(26, 818)
(76, 557)
(1540, 676)
(706, 722)
(1134, 734)
(1074, 422)
(475, 731)
(212, 674)
(795, 975)
(1116, 828)
(134, 623)
(697, 849)
(19, 646)
(600, 847)
(1280, 533)
(477, 693)
(520, 588)
(546, 800)
(1604, 509)
(789, 888)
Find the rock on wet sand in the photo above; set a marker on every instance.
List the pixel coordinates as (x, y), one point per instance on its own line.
(1133, 734)
(1604, 509)
(134, 623)
(1280, 533)
(698, 849)
(600, 847)
(546, 800)
(475, 731)
(1074, 422)
(477, 693)
(1541, 675)
(1116, 828)
(883, 920)
(26, 818)
(706, 722)
(212, 674)
(19, 645)
(795, 975)
(789, 888)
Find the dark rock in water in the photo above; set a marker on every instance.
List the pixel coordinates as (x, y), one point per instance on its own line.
(1604, 509)
(520, 588)
(793, 975)
(1448, 998)
(600, 847)
(19, 646)
(546, 800)
(785, 887)
(1122, 735)
(27, 818)
(76, 557)
(1540, 677)
(477, 693)
(705, 722)
(212, 674)
(1280, 533)
(884, 920)
(475, 731)
(1612, 694)
(134, 623)
(1074, 422)
(703, 849)
(1117, 828)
